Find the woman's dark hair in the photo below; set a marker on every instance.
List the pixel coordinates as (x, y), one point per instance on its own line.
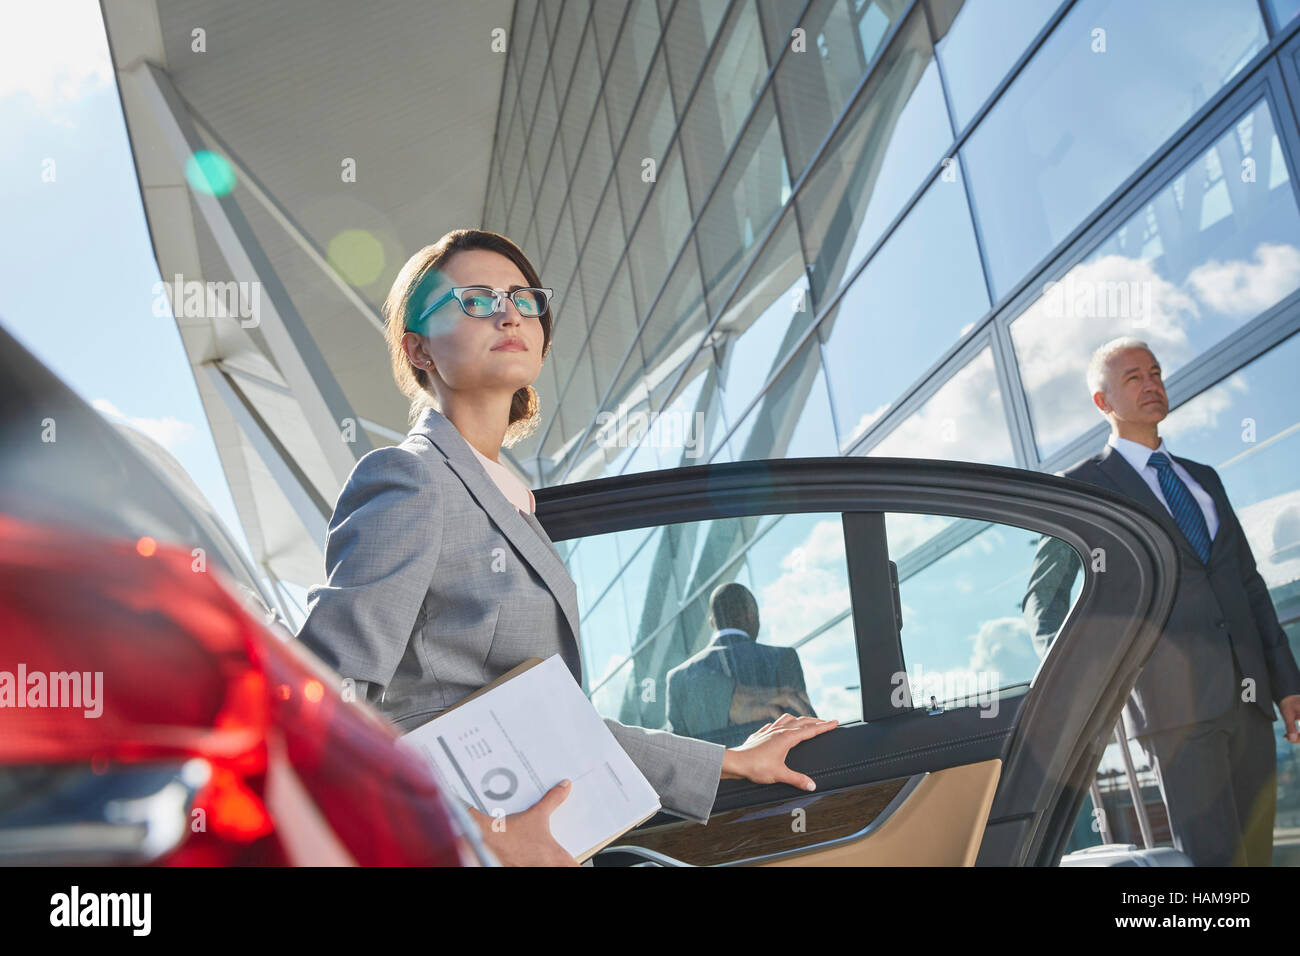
(421, 275)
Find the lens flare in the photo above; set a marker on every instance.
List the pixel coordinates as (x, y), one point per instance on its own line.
(357, 256)
(209, 172)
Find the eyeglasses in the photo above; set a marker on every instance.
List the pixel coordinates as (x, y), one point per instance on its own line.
(480, 301)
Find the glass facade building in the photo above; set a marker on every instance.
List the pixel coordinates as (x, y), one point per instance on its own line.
(779, 228)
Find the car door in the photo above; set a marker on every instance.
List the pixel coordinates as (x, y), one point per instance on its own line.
(891, 593)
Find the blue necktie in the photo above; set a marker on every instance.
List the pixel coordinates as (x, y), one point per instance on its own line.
(1184, 507)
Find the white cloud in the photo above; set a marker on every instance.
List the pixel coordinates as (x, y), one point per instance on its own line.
(168, 432)
(866, 421)
(812, 588)
(963, 421)
(800, 600)
(1004, 645)
(1244, 289)
(824, 547)
(1203, 411)
(55, 51)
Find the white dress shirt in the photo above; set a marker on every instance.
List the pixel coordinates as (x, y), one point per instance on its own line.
(1136, 454)
(516, 492)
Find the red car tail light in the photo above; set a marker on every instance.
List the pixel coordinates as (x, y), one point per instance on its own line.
(191, 734)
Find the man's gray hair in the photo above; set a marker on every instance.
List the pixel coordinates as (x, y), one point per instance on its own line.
(1097, 364)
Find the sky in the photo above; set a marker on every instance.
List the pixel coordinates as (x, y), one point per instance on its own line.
(77, 271)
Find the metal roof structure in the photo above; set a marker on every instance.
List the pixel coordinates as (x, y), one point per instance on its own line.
(290, 161)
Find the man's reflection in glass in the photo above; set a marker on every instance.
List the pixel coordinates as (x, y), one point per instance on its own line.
(735, 685)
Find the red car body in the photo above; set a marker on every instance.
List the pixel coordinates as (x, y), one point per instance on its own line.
(247, 752)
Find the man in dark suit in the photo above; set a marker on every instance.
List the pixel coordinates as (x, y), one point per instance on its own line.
(735, 685)
(1202, 707)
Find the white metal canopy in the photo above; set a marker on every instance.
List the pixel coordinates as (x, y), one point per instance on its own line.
(294, 96)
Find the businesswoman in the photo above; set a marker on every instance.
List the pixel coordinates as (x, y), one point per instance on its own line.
(439, 577)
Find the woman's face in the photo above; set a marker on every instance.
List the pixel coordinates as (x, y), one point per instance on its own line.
(464, 349)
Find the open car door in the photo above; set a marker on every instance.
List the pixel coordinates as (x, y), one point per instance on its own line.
(892, 594)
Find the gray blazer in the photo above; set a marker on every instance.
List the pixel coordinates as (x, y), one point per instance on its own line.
(436, 585)
(1222, 610)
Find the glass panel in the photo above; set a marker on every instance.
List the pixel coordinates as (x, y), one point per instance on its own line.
(509, 95)
(881, 155)
(793, 419)
(981, 45)
(683, 427)
(551, 196)
(798, 568)
(771, 311)
(594, 565)
(564, 425)
(636, 46)
(532, 248)
(545, 124)
(723, 99)
(778, 18)
(579, 398)
(751, 193)
(662, 229)
(494, 218)
(628, 400)
(647, 139)
(561, 260)
(614, 330)
(602, 252)
(573, 21)
(963, 421)
(676, 326)
(1284, 11)
(593, 171)
(790, 598)
(512, 164)
(1089, 108)
(548, 393)
(521, 214)
(536, 55)
(607, 18)
(889, 327)
(554, 446)
(813, 86)
(963, 637)
(691, 30)
(1212, 250)
(526, 22)
(578, 108)
(568, 338)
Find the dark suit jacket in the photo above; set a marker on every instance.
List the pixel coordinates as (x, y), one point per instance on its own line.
(1221, 607)
(700, 688)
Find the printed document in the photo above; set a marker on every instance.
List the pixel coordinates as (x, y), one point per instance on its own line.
(501, 750)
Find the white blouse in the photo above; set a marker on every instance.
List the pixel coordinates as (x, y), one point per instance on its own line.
(516, 492)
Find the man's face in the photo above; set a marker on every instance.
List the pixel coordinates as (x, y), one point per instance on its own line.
(1135, 390)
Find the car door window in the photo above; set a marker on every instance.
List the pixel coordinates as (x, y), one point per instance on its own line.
(651, 656)
(977, 605)
(981, 604)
